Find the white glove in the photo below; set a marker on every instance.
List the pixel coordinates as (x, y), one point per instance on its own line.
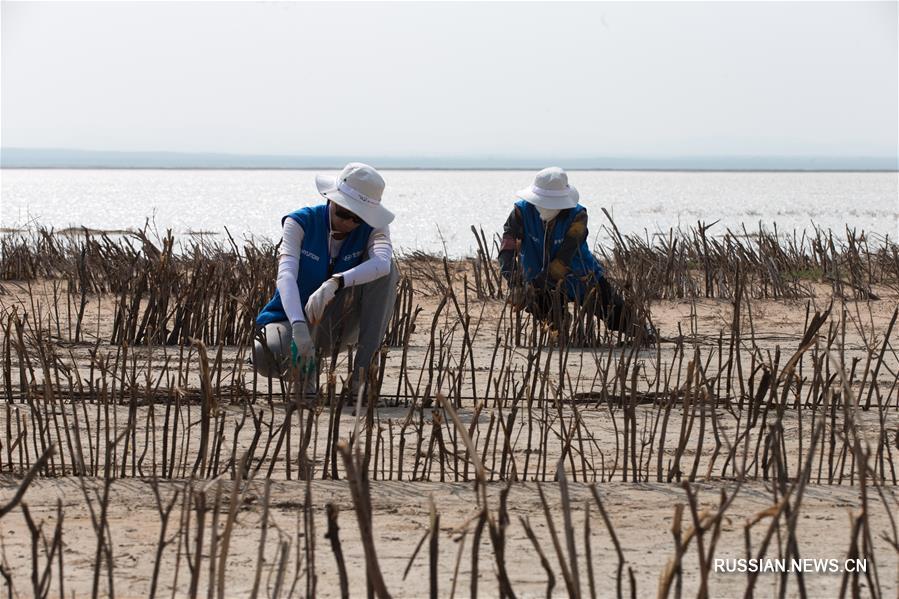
(302, 339)
(318, 301)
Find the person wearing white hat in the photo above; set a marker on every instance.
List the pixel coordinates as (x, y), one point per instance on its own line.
(545, 257)
(336, 281)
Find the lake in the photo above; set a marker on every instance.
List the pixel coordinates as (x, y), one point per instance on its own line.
(437, 207)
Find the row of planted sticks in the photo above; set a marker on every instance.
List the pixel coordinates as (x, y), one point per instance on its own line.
(199, 522)
(166, 292)
(638, 417)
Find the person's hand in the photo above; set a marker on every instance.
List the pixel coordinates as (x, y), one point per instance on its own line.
(318, 301)
(517, 297)
(302, 340)
(302, 348)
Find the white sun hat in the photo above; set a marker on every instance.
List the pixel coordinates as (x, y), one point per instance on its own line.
(550, 190)
(358, 188)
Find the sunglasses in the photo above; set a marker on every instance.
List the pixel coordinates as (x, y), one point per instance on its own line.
(344, 214)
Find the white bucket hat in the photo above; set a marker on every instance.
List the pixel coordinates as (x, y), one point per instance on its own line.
(550, 190)
(357, 188)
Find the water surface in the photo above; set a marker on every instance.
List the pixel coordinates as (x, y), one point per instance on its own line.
(437, 207)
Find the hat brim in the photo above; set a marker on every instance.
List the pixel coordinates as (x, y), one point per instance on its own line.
(552, 202)
(375, 216)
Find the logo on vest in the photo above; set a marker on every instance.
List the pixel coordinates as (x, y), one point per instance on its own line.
(352, 256)
(309, 254)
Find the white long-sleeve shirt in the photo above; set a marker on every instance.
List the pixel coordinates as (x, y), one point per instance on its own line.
(379, 249)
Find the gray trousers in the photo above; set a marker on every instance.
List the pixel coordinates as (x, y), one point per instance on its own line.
(357, 314)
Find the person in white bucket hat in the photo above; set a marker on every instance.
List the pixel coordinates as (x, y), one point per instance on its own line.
(336, 281)
(545, 257)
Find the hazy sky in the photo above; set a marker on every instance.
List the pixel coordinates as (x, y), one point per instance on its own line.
(453, 79)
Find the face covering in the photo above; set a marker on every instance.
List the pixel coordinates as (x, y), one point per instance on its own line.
(547, 214)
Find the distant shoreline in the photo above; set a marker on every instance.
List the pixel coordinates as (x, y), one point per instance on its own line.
(435, 168)
(65, 158)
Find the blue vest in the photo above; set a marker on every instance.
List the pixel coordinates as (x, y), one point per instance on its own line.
(315, 265)
(585, 270)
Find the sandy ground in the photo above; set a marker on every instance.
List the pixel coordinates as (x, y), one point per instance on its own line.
(640, 512)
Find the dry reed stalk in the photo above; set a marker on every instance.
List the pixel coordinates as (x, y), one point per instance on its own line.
(333, 535)
(362, 502)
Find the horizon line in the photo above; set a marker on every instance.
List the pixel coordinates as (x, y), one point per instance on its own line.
(450, 168)
(65, 158)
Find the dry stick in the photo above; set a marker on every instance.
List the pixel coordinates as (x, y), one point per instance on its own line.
(716, 431)
(458, 563)
(703, 592)
(208, 407)
(32, 529)
(260, 557)
(195, 566)
(569, 528)
(775, 511)
(867, 541)
(481, 492)
(551, 578)
(498, 538)
(856, 522)
(29, 477)
(164, 514)
(475, 545)
(281, 569)
(686, 424)
(566, 574)
(101, 529)
(357, 411)
(469, 446)
(703, 403)
(883, 351)
(673, 568)
(333, 535)
(434, 551)
(362, 503)
(229, 525)
(630, 426)
(608, 523)
(717, 519)
(309, 529)
(467, 340)
(59, 517)
(861, 455)
(42, 585)
(335, 404)
(780, 460)
(588, 551)
(183, 523)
